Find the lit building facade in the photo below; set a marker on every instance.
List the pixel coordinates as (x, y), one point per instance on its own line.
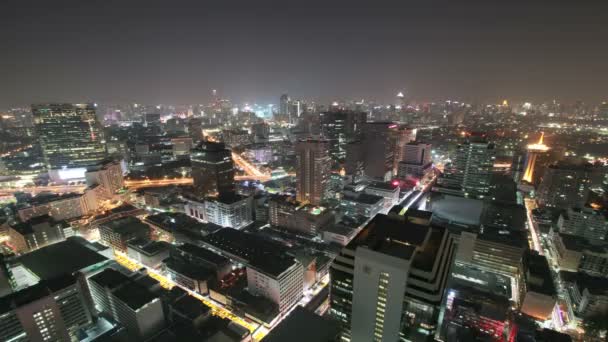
(71, 138)
(313, 165)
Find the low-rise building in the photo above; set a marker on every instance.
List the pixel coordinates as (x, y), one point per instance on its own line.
(226, 210)
(288, 214)
(271, 272)
(51, 310)
(38, 232)
(118, 233)
(388, 191)
(540, 295)
(129, 300)
(108, 175)
(148, 253)
(575, 253)
(60, 207)
(584, 222)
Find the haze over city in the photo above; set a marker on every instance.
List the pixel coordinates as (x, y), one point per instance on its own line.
(177, 52)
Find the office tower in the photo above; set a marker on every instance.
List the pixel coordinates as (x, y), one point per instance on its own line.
(416, 161)
(339, 128)
(533, 151)
(71, 138)
(388, 282)
(284, 107)
(212, 168)
(354, 166)
(403, 136)
(129, 300)
(379, 141)
(52, 310)
(540, 295)
(195, 129)
(566, 184)
(470, 172)
(312, 170)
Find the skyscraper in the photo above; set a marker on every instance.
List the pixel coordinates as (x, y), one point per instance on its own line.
(284, 107)
(416, 160)
(379, 144)
(339, 128)
(212, 168)
(312, 170)
(388, 282)
(71, 138)
(470, 172)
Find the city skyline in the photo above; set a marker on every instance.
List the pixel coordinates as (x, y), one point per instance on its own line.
(160, 53)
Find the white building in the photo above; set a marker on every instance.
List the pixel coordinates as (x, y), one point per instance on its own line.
(226, 210)
(586, 222)
(281, 281)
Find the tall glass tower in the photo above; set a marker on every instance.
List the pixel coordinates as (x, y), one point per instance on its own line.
(70, 137)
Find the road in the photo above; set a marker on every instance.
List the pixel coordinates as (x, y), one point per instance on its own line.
(533, 234)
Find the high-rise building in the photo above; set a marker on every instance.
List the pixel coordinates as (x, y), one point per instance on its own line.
(470, 172)
(416, 161)
(566, 184)
(284, 107)
(379, 142)
(404, 135)
(52, 310)
(71, 138)
(312, 170)
(388, 282)
(212, 168)
(339, 128)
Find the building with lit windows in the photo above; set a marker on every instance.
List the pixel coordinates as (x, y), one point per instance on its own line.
(108, 175)
(416, 162)
(388, 282)
(71, 138)
(567, 184)
(226, 210)
(339, 128)
(212, 168)
(470, 172)
(313, 166)
(130, 300)
(271, 272)
(585, 222)
(52, 310)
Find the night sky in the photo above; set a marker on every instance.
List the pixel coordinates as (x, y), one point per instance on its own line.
(178, 51)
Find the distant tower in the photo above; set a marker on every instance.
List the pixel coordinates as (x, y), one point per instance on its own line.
(284, 105)
(401, 100)
(312, 170)
(533, 151)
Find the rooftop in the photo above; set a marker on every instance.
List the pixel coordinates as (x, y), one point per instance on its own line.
(129, 290)
(267, 256)
(33, 293)
(64, 257)
(204, 254)
(126, 225)
(304, 326)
